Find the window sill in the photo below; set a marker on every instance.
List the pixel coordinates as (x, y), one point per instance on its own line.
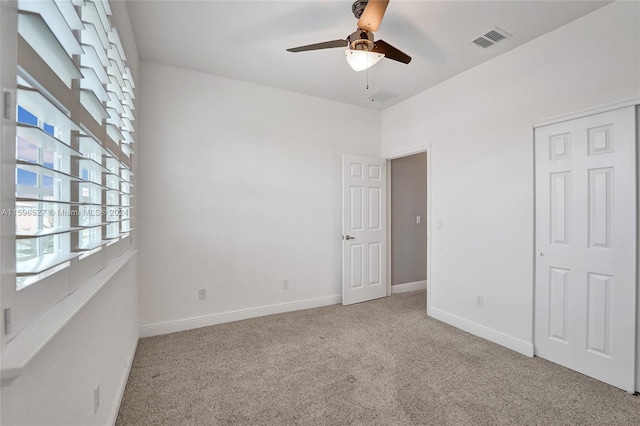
(17, 354)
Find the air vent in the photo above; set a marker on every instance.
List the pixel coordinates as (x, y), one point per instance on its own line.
(494, 36)
(491, 37)
(483, 42)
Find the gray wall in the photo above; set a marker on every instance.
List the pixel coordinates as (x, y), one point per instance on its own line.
(408, 200)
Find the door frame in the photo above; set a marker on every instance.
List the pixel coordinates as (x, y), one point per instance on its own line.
(597, 109)
(389, 157)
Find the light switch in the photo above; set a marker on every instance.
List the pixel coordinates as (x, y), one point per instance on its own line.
(418, 220)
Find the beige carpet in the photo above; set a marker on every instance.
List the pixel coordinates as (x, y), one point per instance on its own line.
(377, 363)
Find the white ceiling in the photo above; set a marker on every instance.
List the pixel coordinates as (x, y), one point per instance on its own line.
(246, 40)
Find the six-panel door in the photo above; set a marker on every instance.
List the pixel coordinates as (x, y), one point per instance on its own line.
(585, 287)
(364, 222)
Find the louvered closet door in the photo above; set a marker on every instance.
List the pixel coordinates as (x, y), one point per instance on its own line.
(585, 289)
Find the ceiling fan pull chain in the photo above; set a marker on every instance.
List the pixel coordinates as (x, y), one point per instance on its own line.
(368, 89)
(367, 74)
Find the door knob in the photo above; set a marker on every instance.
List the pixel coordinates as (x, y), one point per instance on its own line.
(541, 254)
(349, 237)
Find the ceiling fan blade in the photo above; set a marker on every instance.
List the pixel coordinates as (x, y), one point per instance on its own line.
(372, 15)
(318, 46)
(391, 52)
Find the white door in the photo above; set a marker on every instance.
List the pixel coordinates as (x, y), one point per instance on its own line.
(585, 289)
(364, 229)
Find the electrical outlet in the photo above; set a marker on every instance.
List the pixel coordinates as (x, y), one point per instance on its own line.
(285, 284)
(202, 294)
(418, 219)
(96, 399)
(479, 301)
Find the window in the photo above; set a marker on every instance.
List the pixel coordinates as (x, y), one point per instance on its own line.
(74, 136)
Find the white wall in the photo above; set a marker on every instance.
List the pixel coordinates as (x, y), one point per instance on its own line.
(239, 188)
(95, 347)
(479, 125)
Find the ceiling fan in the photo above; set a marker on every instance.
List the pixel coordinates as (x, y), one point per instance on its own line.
(369, 14)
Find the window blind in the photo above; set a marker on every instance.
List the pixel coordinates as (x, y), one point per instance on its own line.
(74, 137)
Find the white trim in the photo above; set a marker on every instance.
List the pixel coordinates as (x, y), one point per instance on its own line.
(610, 106)
(400, 154)
(124, 377)
(406, 153)
(637, 363)
(429, 233)
(414, 286)
(19, 352)
(520, 346)
(389, 235)
(241, 314)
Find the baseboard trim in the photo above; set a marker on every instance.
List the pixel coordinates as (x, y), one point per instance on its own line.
(113, 416)
(414, 286)
(492, 335)
(241, 314)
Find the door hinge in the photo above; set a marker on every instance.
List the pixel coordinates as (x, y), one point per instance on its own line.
(7, 321)
(7, 105)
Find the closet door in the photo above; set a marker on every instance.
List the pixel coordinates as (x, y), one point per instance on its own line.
(585, 288)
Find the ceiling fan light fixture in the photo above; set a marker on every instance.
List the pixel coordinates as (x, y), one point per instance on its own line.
(360, 60)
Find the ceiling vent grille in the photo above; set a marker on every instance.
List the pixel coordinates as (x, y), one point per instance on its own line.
(491, 37)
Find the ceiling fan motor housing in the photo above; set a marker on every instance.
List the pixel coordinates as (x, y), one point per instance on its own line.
(361, 40)
(358, 7)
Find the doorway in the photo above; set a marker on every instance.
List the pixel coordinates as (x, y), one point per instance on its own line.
(408, 245)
